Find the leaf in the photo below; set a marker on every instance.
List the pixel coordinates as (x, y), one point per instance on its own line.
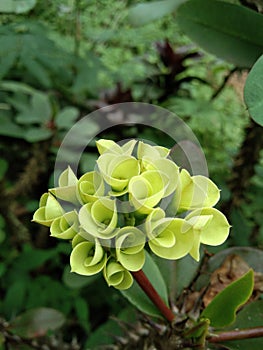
(144, 13)
(250, 316)
(138, 298)
(37, 322)
(253, 92)
(229, 300)
(17, 6)
(14, 86)
(231, 32)
(35, 134)
(75, 281)
(66, 118)
(3, 169)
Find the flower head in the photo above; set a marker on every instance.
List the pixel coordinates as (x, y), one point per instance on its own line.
(135, 197)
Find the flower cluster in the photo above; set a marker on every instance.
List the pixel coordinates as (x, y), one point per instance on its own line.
(135, 197)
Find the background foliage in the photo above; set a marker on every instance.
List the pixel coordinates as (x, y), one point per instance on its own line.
(62, 59)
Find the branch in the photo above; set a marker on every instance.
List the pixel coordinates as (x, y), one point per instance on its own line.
(239, 334)
(150, 291)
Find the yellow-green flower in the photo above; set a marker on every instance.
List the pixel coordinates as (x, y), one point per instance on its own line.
(146, 190)
(100, 218)
(116, 275)
(210, 227)
(65, 226)
(129, 244)
(90, 187)
(49, 209)
(170, 238)
(67, 187)
(194, 192)
(117, 170)
(151, 152)
(88, 258)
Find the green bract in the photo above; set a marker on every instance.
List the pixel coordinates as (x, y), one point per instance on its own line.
(88, 258)
(135, 197)
(49, 209)
(116, 275)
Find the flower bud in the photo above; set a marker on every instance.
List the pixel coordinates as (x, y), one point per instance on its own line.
(116, 275)
(88, 258)
(129, 245)
(49, 209)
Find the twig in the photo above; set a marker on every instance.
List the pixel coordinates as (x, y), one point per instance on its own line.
(150, 291)
(237, 334)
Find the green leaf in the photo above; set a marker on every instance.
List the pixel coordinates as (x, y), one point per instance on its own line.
(37, 134)
(250, 316)
(253, 92)
(37, 322)
(75, 281)
(231, 32)
(17, 6)
(138, 298)
(66, 117)
(222, 310)
(14, 86)
(141, 14)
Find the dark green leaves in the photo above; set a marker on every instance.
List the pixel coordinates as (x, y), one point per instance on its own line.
(231, 32)
(136, 296)
(253, 92)
(146, 12)
(222, 310)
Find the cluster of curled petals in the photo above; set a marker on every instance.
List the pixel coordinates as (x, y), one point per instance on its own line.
(135, 199)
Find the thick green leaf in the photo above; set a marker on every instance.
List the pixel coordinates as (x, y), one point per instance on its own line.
(231, 32)
(138, 298)
(14, 86)
(250, 316)
(17, 6)
(37, 322)
(222, 310)
(66, 117)
(253, 92)
(3, 168)
(141, 14)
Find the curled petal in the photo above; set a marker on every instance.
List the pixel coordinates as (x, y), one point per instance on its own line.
(211, 224)
(129, 245)
(88, 258)
(146, 191)
(65, 226)
(170, 239)
(90, 187)
(167, 169)
(195, 192)
(117, 170)
(151, 152)
(78, 239)
(99, 218)
(49, 209)
(112, 147)
(67, 189)
(116, 275)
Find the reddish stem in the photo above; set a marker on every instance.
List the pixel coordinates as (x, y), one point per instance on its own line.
(237, 334)
(150, 291)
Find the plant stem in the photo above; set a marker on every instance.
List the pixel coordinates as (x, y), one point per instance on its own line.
(150, 291)
(237, 334)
